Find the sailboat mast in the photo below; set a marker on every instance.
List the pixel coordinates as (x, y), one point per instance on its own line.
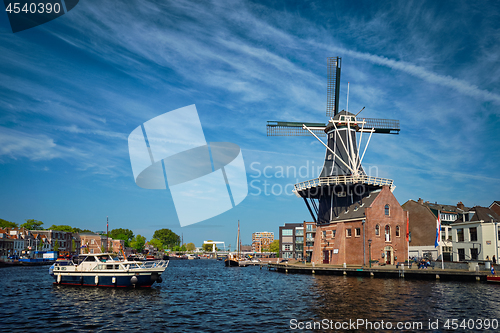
(238, 238)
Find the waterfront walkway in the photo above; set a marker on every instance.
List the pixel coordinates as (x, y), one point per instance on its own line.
(387, 271)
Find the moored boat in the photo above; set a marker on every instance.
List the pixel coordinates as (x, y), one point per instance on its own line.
(493, 278)
(106, 270)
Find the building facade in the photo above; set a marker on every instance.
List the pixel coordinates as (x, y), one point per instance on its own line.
(372, 229)
(477, 239)
(261, 241)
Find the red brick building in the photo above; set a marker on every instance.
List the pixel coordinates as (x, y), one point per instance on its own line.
(374, 227)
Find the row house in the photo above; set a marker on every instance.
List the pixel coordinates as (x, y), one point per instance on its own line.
(478, 237)
(423, 218)
(93, 243)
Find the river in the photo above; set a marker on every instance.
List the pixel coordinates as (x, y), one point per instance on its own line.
(205, 296)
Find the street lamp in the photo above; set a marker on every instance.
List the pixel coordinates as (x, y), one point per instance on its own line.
(370, 251)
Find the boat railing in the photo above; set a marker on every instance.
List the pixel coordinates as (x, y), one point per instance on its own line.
(152, 264)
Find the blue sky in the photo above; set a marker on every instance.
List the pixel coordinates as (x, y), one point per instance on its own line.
(73, 89)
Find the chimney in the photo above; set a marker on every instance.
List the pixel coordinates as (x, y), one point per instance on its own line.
(460, 205)
(420, 201)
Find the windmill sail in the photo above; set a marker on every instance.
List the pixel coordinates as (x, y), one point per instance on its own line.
(333, 86)
(290, 128)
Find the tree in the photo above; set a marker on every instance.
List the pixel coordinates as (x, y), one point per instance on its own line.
(78, 230)
(167, 237)
(209, 247)
(32, 225)
(156, 243)
(65, 228)
(56, 245)
(7, 224)
(73, 246)
(275, 247)
(190, 247)
(138, 243)
(123, 234)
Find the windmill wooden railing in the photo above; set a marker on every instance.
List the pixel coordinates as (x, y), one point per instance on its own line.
(324, 181)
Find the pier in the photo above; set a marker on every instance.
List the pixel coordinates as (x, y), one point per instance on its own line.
(389, 271)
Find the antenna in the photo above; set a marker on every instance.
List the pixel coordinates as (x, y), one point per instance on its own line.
(359, 111)
(347, 107)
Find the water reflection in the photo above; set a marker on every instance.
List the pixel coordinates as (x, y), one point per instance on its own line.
(203, 295)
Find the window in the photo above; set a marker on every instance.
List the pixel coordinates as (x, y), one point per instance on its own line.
(299, 232)
(299, 240)
(333, 233)
(309, 227)
(387, 233)
(91, 241)
(387, 210)
(460, 235)
(377, 230)
(287, 232)
(473, 235)
(474, 254)
(443, 233)
(348, 232)
(461, 254)
(287, 247)
(397, 231)
(324, 234)
(357, 232)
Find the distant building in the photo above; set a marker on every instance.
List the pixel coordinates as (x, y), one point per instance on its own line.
(92, 243)
(261, 241)
(62, 238)
(476, 238)
(297, 240)
(423, 222)
(287, 236)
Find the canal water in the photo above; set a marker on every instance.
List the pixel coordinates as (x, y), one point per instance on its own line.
(205, 296)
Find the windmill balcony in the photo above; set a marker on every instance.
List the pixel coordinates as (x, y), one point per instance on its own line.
(339, 180)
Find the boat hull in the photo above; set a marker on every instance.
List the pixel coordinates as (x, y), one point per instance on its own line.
(493, 278)
(108, 280)
(231, 263)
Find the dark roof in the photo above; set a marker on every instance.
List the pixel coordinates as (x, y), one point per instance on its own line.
(484, 214)
(357, 210)
(448, 208)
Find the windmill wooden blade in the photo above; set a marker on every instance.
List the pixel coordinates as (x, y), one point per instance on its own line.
(289, 128)
(333, 86)
(387, 126)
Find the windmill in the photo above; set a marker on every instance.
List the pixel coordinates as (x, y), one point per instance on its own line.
(342, 181)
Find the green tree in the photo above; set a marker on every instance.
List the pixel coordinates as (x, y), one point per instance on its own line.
(56, 245)
(78, 230)
(275, 247)
(32, 225)
(156, 243)
(65, 228)
(138, 243)
(190, 247)
(7, 224)
(167, 237)
(209, 247)
(123, 234)
(73, 245)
